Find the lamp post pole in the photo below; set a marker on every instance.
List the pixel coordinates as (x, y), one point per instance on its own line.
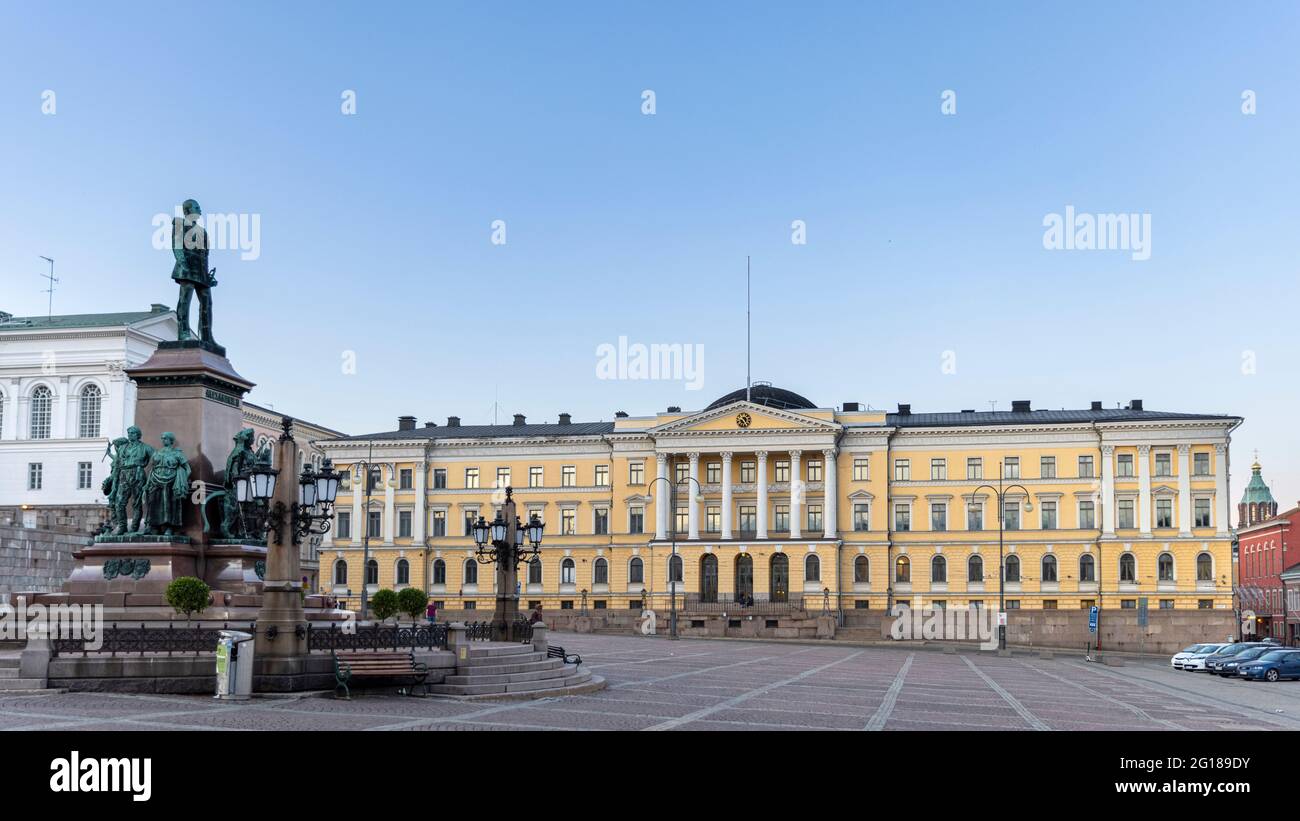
(672, 523)
(502, 541)
(1000, 492)
(365, 537)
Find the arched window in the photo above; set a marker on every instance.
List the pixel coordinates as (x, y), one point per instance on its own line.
(403, 571)
(635, 571)
(372, 572)
(675, 569)
(471, 571)
(1013, 569)
(938, 569)
(1087, 568)
(40, 417)
(340, 572)
(1127, 568)
(1205, 568)
(535, 571)
(1165, 567)
(861, 569)
(903, 570)
(812, 568)
(568, 572)
(600, 572)
(439, 571)
(1049, 568)
(975, 569)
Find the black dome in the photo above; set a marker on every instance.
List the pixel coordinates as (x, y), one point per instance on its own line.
(764, 394)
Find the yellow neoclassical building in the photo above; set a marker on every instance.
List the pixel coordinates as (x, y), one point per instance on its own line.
(770, 497)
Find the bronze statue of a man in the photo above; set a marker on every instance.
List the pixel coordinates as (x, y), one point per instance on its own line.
(129, 481)
(190, 247)
(112, 484)
(241, 459)
(167, 487)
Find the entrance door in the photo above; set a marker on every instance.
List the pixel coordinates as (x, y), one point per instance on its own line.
(708, 578)
(744, 575)
(780, 577)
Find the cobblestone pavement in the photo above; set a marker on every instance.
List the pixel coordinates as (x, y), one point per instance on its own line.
(656, 684)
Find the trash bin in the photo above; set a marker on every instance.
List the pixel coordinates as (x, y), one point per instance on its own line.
(234, 665)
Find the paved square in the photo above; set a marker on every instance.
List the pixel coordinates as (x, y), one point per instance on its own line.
(657, 684)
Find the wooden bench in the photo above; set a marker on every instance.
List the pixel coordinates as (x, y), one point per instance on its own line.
(401, 664)
(556, 652)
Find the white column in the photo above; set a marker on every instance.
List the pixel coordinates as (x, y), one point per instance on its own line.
(796, 495)
(726, 494)
(762, 493)
(663, 495)
(1108, 490)
(1144, 489)
(9, 430)
(389, 525)
(60, 411)
(417, 527)
(358, 496)
(1184, 490)
(1221, 489)
(830, 505)
(692, 506)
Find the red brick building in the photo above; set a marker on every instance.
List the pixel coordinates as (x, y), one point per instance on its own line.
(1266, 548)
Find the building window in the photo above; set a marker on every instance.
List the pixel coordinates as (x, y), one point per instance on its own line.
(439, 478)
(471, 478)
(343, 526)
(861, 569)
(471, 572)
(404, 524)
(747, 472)
(1013, 604)
(602, 476)
(1202, 513)
(1166, 604)
(503, 477)
(470, 517)
(1085, 467)
(814, 470)
(861, 471)
(600, 572)
(1205, 604)
(748, 518)
(974, 467)
(569, 476)
(375, 480)
(1049, 604)
(601, 523)
(781, 472)
(1205, 568)
(815, 518)
(812, 568)
(713, 473)
(568, 572)
(861, 517)
(535, 571)
(439, 571)
(938, 570)
(340, 572)
(1013, 568)
(975, 516)
(1047, 467)
(440, 523)
(1011, 515)
(781, 519)
(938, 469)
(1128, 604)
(903, 570)
(713, 519)
(675, 569)
(536, 476)
(636, 473)
(902, 517)
(681, 520)
(636, 520)
(636, 571)
(35, 473)
(89, 412)
(403, 571)
(404, 479)
(84, 474)
(1201, 464)
(902, 470)
(1048, 515)
(568, 521)
(975, 570)
(375, 524)
(1165, 567)
(1011, 467)
(938, 516)
(1127, 568)
(40, 413)
(1049, 568)
(1087, 515)
(1125, 511)
(1164, 464)
(681, 471)
(372, 572)
(1124, 465)
(1087, 569)
(1164, 512)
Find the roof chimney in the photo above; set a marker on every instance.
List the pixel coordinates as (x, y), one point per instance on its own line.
(565, 419)
(674, 409)
(852, 407)
(967, 410)
(406, 423)
(519, 419)
(1096, 405)
(430, 425)
(904, 410)
(453, 421)
(158, 308)
(1135, 404)
(620, 414)
(1020, 406)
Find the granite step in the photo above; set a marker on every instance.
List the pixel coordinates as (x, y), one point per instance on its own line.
(576, 678)
(507, 678)
(498, 660)
(22, 684)
(505, 669)
(8, 672)
(498, 649)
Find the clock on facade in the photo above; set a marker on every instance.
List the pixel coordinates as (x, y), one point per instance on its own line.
(743, 419)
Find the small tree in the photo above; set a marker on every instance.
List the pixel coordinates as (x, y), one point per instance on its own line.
(188, 595)
(384, 604)
(412, 601)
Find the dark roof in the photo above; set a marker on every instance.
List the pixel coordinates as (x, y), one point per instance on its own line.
(1042, 417)
(486, 432)
(764, 394)
(14, 323)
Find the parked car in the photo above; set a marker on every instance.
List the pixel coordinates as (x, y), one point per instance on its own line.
(1215, 661)
(1274, 665)
(1228, 667)
(1178, 658)
(1196, 661)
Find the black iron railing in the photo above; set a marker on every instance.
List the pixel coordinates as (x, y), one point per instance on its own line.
(478, 630)
(128, 640)
(378, 637)
(523, 631)
(757, 605)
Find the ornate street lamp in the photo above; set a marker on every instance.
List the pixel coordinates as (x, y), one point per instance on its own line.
(1001, 494)
(672, 519)
(314, 512)
(507, 542)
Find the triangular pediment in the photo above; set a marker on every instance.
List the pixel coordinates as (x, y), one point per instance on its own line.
(743, 417)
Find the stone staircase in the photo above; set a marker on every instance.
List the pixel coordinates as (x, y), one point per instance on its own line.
(9, 680)
(504, 670)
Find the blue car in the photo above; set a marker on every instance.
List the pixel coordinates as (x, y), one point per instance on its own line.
(1272, 666)
(1228, 667)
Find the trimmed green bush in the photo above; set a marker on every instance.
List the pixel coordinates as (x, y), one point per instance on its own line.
(412, 601)
(188, 595)
(384, 604)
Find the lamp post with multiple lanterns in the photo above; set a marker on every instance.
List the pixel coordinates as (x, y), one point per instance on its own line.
(672, 561)
(1001, 494)
(507, 542)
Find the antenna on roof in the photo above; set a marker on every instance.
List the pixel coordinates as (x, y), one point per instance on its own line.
(993, 404)
(50, 290)
(748, 382)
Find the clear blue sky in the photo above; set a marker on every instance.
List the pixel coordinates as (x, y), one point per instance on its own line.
(924, 231)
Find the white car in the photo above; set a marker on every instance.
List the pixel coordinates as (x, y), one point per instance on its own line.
(1177, 661)
(1195, 662)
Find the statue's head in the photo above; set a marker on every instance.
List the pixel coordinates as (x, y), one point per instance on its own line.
(133, 434)
(190, 208)
(245, 438)
(168, 439)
